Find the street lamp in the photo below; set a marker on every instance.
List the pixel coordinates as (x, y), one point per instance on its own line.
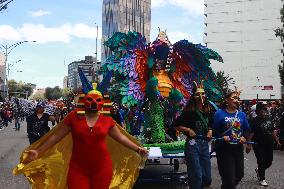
(97, 35)
(96, 66)
(6, 50)
(11, 65)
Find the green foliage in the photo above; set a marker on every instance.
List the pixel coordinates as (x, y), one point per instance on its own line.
(53, 93)
(224, 81)
(173, 146)
(20, 89)
(66, 92)
(154, 131)
(279, 32)
(281, 73)
(38, 96)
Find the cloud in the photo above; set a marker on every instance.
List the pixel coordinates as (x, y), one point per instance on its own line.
(85, 31)
(158, 3)
(191, 6)
(43, 34)
(9, 33)
(176, 36)
(40, 13)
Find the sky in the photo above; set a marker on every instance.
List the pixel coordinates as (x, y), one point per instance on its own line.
(65, 31)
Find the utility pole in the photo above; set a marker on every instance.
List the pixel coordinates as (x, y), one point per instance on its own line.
(6, 50)
(96, 67)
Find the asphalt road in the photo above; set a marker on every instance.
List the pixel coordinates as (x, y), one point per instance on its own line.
(12, 143)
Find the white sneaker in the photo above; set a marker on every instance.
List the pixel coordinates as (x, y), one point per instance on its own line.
(263, 183)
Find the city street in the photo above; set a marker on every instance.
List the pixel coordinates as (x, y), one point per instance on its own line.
(12, 143)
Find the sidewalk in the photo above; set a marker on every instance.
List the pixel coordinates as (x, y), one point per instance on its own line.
(12, 143)
(11, 139)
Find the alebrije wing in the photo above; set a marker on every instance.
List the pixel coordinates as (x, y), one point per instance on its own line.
(197, 57)
(123, 65)
(141, 68)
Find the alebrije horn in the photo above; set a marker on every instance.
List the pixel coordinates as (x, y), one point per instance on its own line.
(202, 84)
(86, 84)
(194, 82)
(103, 86)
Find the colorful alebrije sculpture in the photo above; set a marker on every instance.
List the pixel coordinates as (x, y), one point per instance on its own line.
(159, 75)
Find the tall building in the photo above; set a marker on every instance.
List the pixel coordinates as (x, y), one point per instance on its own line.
(90, 68)
(65, 82)
(242, 32)
(124, 16)
(3, 88)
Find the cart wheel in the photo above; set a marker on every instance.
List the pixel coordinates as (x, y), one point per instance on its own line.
(176, 164)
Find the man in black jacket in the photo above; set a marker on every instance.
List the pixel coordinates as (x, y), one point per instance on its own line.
(37, 123)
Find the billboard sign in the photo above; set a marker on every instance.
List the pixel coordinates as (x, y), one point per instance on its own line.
(267, 88)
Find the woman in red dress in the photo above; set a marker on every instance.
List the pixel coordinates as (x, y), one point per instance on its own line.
(90, 166)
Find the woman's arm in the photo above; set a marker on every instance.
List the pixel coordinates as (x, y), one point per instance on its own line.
(62, 131)
(186, 130)
(119, 137)
(275, 137)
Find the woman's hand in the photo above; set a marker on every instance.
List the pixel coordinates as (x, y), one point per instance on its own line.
(209, 134)
(248, 148)
(142, 151)
(242, 140)
(191, 133)
(226, 138)
(31, 156)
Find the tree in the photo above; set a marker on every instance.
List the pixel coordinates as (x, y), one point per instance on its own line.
(66, 92)
(281, 73)
(279, 32)
(20, 89)
(37, 96)
(4, 4)
(53, 93)
(224, 81)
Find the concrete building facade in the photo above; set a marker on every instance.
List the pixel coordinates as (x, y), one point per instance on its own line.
(65, 82)
(90, 68)
(242, 32)
(3, 87)
(124, 16)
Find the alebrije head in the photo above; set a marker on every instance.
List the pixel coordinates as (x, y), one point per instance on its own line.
(93, 100)
(199, 92)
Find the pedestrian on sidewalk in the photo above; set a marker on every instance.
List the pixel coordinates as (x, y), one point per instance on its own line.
(263, 133)
(195, 122)
(37, 123)
(17, 122)
(231, 126)
(281, 135)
